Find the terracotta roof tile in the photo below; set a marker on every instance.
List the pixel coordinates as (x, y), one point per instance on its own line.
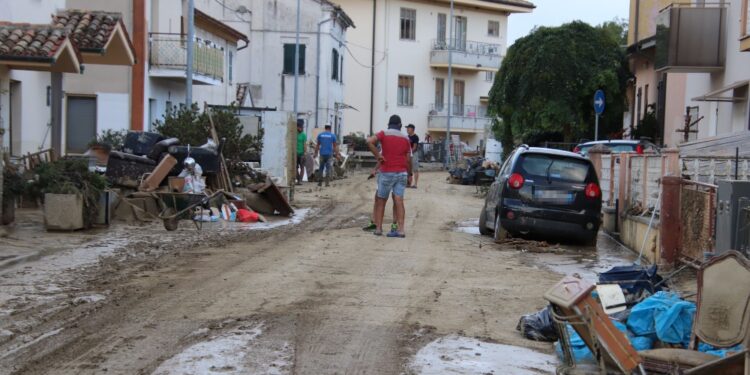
(89, 30)
(26, 40)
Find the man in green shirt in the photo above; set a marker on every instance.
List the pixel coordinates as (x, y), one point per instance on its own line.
(301, 148)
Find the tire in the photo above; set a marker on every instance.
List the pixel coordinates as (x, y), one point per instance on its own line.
(500, 233)
(590, 241)
(483, 223)
(173, 223)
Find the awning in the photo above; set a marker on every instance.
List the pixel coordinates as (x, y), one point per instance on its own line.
(715, 96)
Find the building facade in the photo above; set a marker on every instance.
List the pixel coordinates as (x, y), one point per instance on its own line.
(690, 64)
(400, 64)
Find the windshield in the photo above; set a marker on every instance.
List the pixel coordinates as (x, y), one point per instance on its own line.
(554, 168)
(615, 148)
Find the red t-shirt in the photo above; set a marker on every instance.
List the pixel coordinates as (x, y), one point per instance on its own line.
(396, 150)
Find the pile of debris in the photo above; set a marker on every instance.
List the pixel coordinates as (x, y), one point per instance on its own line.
(630, 323)
(474, 171)
(157, 178)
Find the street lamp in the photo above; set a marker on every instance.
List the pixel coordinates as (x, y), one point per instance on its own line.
(451, 43)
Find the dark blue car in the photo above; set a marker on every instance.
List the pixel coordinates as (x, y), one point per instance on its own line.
(546, 193)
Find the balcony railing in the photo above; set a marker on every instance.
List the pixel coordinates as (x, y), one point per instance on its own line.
(691, 39)
(466, 46)
(169, 51)
(469, 118)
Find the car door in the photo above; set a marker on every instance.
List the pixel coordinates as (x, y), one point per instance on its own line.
(496, 189)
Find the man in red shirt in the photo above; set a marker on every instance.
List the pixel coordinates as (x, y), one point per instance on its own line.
(395, 167)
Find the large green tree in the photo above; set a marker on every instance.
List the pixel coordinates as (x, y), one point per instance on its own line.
(544, 90)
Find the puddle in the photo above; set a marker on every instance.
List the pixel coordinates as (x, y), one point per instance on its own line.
(464, 356)
(468, 226)
(570, 259)
(586, 262)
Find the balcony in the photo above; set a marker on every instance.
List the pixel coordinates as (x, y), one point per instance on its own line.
(467, 55)
(464, 118)
(691, 39)
(168, 56)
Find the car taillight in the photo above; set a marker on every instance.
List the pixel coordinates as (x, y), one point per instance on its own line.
(516, 181)
(577, 150)
(639, 149)
(593, 191)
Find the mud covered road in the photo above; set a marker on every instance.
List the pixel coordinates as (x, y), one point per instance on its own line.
(317, 297)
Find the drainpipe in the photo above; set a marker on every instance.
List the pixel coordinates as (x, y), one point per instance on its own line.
(317, 76)
(637, 21)
(372, 67)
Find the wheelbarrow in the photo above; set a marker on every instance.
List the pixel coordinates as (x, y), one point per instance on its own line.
(181, 206)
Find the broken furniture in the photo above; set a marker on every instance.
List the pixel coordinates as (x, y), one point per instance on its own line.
(271, 193)
(155, 178)
(722, 318)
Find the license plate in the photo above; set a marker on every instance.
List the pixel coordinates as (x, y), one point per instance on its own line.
(554, 195)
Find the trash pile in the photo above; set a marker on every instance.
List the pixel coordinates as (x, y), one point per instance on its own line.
(153, 177)
(630, 321)
(475, 171)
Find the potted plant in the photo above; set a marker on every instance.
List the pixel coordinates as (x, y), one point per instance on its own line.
(105, 142)
(71, 193)
(12, 189)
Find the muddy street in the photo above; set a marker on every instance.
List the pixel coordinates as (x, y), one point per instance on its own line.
(313, 296)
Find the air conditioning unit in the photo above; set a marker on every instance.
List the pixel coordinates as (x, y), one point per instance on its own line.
(733, 216)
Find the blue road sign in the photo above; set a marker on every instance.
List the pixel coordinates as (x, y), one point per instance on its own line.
(599, 102)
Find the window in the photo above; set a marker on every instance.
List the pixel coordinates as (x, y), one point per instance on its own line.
(459, 33)
(230, 67)
(493, 29)
(439, 94)
(441, 28)
(745, 18)
(458, 97)
(289, 58)
(406, 91)
(341, 69)
(489, 76)
(408, 24)
(335, 65)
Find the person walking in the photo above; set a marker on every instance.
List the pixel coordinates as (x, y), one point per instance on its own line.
(301, 149)
(414, 140)
(395, 167)
(327, 148)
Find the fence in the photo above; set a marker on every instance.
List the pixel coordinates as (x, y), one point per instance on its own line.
(436, 153)
(711, 170)
(697, 217)
(633, 179)
(170, 51)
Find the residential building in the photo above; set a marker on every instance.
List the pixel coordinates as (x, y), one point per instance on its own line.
(400, 63)
(322, 66)
(690, 64)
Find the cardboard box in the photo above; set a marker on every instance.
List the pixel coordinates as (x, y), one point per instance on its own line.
(159, 173)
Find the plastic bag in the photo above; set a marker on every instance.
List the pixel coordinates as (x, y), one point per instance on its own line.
(706, 348)
(538, 326)
(642, 319)
(675, 325)
(581, 352)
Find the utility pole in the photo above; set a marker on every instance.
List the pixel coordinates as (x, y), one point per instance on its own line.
(190, 46)
(296, 63)
(451, 45)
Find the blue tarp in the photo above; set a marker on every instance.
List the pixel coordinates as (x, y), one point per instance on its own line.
(642, 319)
(581, 352)
(705, 348)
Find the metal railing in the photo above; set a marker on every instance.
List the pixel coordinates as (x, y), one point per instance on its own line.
(466, 46)
(169, 51)
(471, 111)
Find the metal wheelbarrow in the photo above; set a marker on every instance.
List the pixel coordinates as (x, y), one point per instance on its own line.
(181, 206)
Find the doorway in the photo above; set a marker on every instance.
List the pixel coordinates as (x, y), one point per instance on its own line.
(80, 122)
(14, 118)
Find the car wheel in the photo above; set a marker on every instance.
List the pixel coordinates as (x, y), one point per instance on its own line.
(591, 240)
(483, 223)
(500, 233)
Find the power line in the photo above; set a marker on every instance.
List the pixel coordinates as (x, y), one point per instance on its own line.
(361, 64)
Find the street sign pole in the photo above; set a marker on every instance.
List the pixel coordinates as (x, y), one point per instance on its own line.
(599, 109)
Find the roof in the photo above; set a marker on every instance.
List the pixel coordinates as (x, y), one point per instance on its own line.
(221, 29)
(520, 3)
(341, 14)
(89, 30)
(23, 40)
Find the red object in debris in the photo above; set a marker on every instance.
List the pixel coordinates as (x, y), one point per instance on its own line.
(247, 216)
(515, 181)
(639, 149)
(593, 191)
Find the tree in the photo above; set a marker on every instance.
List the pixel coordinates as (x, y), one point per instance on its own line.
(545, 88)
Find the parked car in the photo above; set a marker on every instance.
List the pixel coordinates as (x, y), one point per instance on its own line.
(618, 146)
(546, 192)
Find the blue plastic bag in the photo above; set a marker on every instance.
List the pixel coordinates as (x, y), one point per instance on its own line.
(642, 319)
(675, 325)
(705, 348)
(581, 352)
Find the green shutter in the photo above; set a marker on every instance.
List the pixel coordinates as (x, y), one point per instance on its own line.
(289, 58)
(301, 58)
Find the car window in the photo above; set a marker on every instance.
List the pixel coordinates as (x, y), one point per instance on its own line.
(504, 168)
(583, 150)
(622, 148)
(555, 168)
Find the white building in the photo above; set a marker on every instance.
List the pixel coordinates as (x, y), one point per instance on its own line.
(322, 67)
(407, 43)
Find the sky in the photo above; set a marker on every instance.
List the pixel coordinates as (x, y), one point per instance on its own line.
(558, 12)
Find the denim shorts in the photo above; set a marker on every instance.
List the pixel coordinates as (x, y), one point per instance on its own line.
(395, 182)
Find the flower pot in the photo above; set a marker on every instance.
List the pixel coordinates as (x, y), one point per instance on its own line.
(63, 212)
